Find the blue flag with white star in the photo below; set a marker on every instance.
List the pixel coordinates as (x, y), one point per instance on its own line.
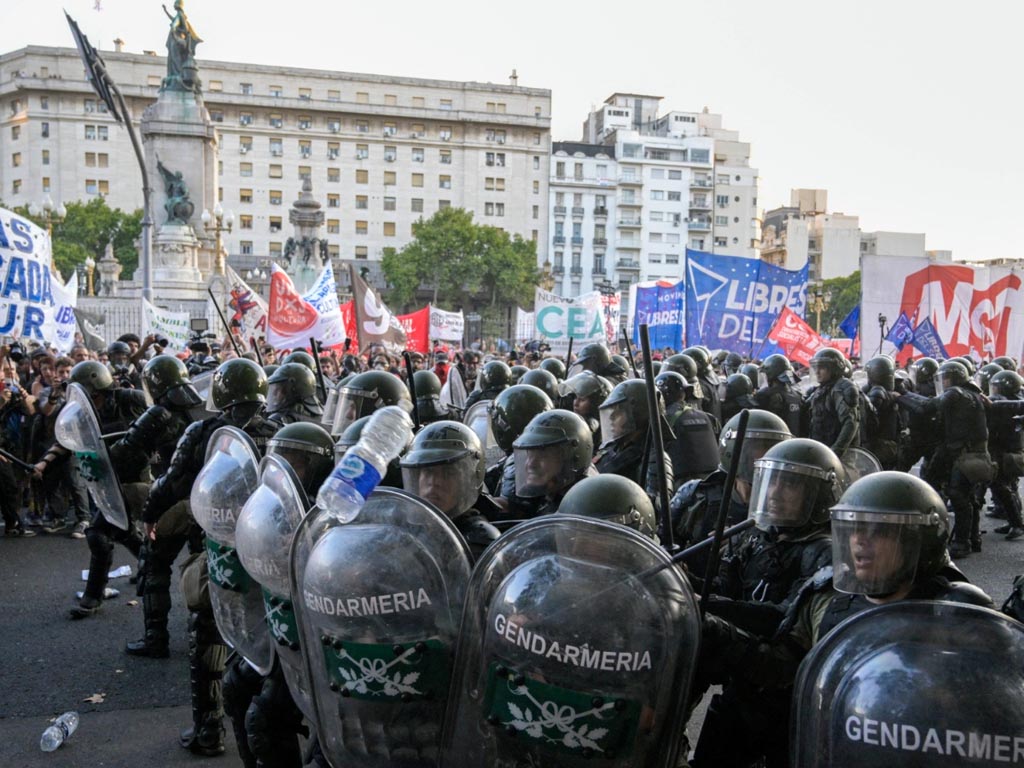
(926, 340)
(732, 301)
(851, 325)
(902, 332)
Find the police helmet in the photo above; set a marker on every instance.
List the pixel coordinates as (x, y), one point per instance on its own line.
(292, 384)
(795, 484)
(624, 412)
(777, 367)
(513, 409)
(613, 498)
(1006, 383)
(542, 380)
(445, 466)
(165, 380)
(764, 430)
(738, 385)
(364, 393)
(881, 371)
(553, 452)
(309, 450)
(93, 376)
(554, 366)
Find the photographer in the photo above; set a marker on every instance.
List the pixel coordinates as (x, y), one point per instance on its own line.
(58, 492)
(15, 406)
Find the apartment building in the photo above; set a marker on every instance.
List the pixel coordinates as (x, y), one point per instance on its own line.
(381, 151)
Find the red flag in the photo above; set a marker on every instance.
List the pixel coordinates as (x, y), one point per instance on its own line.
(417, 330)
(289, 316)
(348, 317)
(798, 340)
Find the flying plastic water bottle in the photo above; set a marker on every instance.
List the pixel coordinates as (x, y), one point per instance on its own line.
(59, 732)
(364, 464)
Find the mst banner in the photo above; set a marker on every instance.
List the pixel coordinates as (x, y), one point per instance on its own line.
(977, 311)
(732, 301)
(558, 318)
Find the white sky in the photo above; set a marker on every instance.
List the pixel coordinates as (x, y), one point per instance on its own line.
(904, 110)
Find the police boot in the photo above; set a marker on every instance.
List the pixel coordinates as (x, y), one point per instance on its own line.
(101, 558)
(206, 667)
(154, 644)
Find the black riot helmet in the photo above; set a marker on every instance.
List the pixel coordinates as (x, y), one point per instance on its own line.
(625, 413)
(985, 374)
(673, 386)
(301, 357)
(682, 364)
(829, 365)
(967, 363)
(738, 385)
(165, 381)
(94, 376)
(292, 384)
(951, 374)
(445, 466)
(364, 393)
(923, 370)
(778, 368)
(795, 484)
(700, 356)
(881, 371)
(889, 529)
(542, 380)
(554, 366)
(119, 355)
(309, 450)
(428, 397)
(513, 409)
(1006, 362)
(517, 372)
(613, 498)
(752, 372)
(592, 357)
(732, 363)
(495, 375)
(553, 452)
(584, 393)
(764, 430)
(239, 390)
(621, 362)
(1006, 383)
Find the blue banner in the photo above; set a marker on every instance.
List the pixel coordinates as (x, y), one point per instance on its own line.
(732, 301)
(851, 324)
(901, 333)
(926, 340)
(661, 307)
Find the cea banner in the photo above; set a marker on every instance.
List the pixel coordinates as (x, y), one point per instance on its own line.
(732, 301)
(292, 320)
(27, 302)
(660, 305)
(977, 311)
(559, 318)
(174, 326)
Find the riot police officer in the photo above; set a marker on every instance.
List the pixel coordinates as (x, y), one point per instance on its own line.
(883, 437)
(510, 412)
(542, 380)
(596, 358)
(613, 498)
(710, 401)
(779, 395)
(962, 459)
(553, 453)
(687, 368)
(428, 397)
(119, 361)
(292, 393)
(624, 420)
(1007, 449)
(834, 404)
(922, 373)
(445, 466)
(554, 366)
(364, 393)
(694, 447)
(731, 364)
(583, 394)
(494, 377)
(738, 395)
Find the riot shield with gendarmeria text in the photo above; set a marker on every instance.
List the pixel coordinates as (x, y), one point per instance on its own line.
(379, 608)
(572, 651)
(78, 430)
(227, 479)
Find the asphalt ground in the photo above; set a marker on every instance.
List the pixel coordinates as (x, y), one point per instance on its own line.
(49, 665)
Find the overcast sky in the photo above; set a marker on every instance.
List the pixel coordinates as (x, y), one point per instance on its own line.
(904, 110)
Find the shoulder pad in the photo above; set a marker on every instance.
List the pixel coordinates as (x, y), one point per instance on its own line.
(821, 579)
(477, 531)
(964, 592)
(684, 496)
(817, 554)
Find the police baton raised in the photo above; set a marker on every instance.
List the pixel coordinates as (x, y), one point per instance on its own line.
(658, 448)
(227, 328)
(412, 388)
(256, 349)
(319, 370)
(568, 357)
(723, 508)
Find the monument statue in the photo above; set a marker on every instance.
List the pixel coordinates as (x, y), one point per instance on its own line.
(182, 71)
(178, 206)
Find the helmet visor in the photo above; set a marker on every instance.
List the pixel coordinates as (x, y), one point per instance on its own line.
(577, 367)
(353, 404)
(617, 421)
(310, 464)
(822, 372)
(755, 445)
(874, 554)
(783, 494)
(278, 396)
(942, 383)
(543, 471)
(183, 396)
(451, 486)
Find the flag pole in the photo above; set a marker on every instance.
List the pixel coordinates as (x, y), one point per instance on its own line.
(765, 339)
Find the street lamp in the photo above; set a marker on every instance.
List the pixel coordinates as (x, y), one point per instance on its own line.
(819, 303)
(48, 212)
(90, 266)
(547, 280)
(217, 223)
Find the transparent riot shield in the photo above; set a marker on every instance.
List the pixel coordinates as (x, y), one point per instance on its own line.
(572, 652)
(381, 598)
(478, 418)
(78, 430)
(227, 479)
(203, 384)
(858, 463)
(263, 537)
(330, 407)
(912, 683)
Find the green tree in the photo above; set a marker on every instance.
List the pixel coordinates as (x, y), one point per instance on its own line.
(86, 230)
(844, 296)
(508, 266)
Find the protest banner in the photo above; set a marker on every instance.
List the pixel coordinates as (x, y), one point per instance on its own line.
(796, 338)
(447, 326)
(26, 283)
(417, 327)
(660, 305)
(174, 326)
(292, 320)
(248, 310)
(559, 318)
(374, 322)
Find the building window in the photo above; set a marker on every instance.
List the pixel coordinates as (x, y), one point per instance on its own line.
(277, 171)
(276, 121)
(657, 194)
(361, 252)
(305, 148)
(334, 126)
(46, 157)
(657, 173)
(333, 227)
(90, 132)
(499, 209)
(675, 175)
(334, 251)
(390, 178)
(362, 97)
(442, 204)
(46, 183)
(245, 169)
(444, 182)
(44, 101)
(333, 150)
(417, 154)
(91, 187)
(417, 205)
(362, 151)
(390, 129)
(495, 135)
(445, 157)
(45, 130)
(362, 227)
(671, 258)
(334, 201)
(722, 201)
(276, 147)
(305, 122)
(276, 91)
(721, 221)
(245, 88)
(244, 144)
(90, 159)
(362, 126)
(721, 242)
(362, 176)
(101, 132)
(245, 118)
(245, 221)
(677, 196)
(536, 187)
(333, 175)
(306, 93)
(275, 249)
(275, 224)
(305, 172)
(417, 179)
(274, 196)
(16, 187)
(334, 95)
(446, 104)
(497, 159)
(445, 133)
(245, 195)
(390, 154)
(390, 204)
(362, 202)
(536, 138)
(536, 162)
(389, 229)
(245, 246)
(418, 131)
(217, 115)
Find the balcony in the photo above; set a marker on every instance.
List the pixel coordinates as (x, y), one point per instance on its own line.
(628, 264)
(576, 270)
(577, 212)
(577, 241)
(631, 180)
(630, 222)
(701, 183)
(600, 242)
(698, 204)
(559, 210)
(699, 224)
(630, 202)
(558, 240)
(633, 245)
(600, 212)
(558, 269)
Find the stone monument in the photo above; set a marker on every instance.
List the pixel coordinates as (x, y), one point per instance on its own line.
(305, 253)
(180, 146)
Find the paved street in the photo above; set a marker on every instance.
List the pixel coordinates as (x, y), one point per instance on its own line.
(50, 664)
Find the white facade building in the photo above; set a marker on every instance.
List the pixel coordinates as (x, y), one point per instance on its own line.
(381, 151)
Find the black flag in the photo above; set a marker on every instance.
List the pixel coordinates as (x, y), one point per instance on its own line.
(95, 70)
(374, 322)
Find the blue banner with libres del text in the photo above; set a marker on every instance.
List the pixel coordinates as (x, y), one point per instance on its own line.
(732, 301)
(660, 306)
